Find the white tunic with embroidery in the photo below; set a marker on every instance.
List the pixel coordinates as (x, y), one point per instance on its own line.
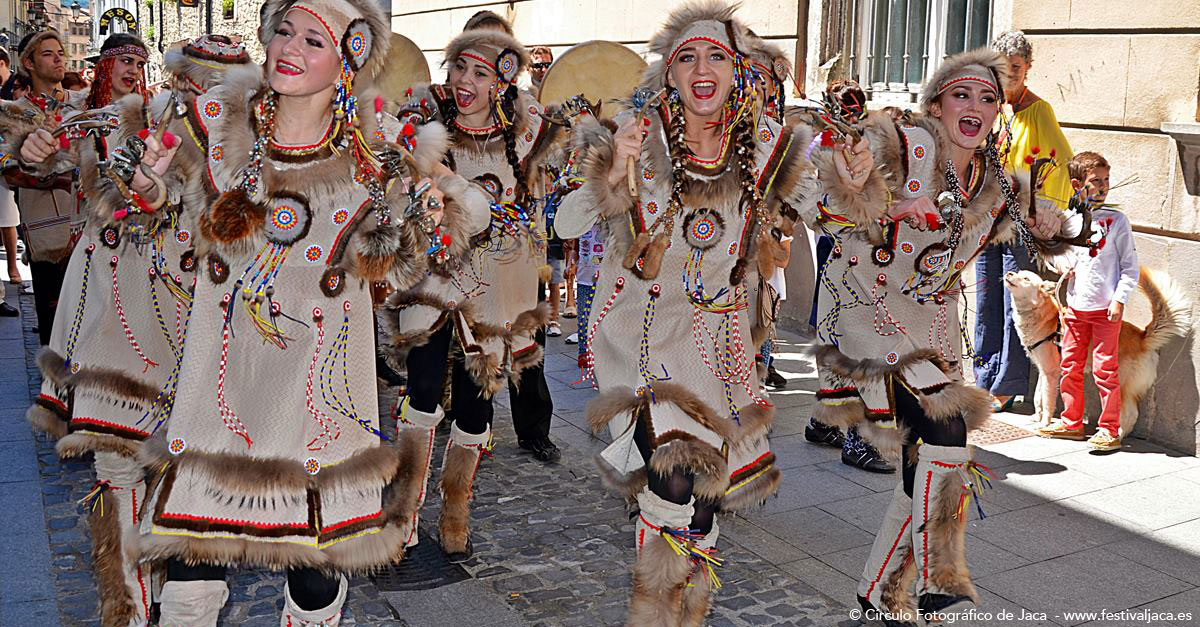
(274, 441)
(119, 327)
(491, 297)
(688, 327)
(895, 303)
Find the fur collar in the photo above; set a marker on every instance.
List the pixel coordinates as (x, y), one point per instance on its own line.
(892, 158)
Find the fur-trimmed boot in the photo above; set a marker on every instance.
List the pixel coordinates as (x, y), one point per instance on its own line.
(414, 439)
(123, 585)
(697, 594)
(461, 462)
(939, 537)
(328, 616)
(192, 603)
(887, 579)
(661, 573)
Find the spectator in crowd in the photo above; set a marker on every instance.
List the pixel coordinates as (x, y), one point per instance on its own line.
(9, 216)
(49, 211)
(72, 81)
(1026, 124)
(1100, 281)
(541, 59)
(16, 87)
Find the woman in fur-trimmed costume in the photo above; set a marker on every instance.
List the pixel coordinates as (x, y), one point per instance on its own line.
(272, 454)
(482, 313)
(109, 371)
(670, 333)
(888, 318)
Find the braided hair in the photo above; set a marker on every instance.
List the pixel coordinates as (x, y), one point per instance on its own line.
(508, 106)
(677, 146)
(449, 110)
(742, 143)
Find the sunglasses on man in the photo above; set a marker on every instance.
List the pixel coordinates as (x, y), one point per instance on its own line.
(541, 65)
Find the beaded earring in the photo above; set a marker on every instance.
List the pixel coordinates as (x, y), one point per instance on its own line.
(345, 105)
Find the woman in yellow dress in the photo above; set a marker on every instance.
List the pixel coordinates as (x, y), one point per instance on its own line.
(1026, 126)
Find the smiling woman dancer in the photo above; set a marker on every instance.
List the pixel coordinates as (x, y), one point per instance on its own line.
(888, 320)
(272, 456)
(481, 314)
(670, 331)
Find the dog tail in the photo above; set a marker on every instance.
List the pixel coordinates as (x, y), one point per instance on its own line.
(1170, 309)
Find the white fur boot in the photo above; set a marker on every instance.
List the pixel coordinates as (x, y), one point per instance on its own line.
(192, 603)
(328, 616)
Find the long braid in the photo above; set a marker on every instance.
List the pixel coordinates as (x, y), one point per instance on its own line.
(507, 105)
(677, 145)
(751, 199)
(1011, 206)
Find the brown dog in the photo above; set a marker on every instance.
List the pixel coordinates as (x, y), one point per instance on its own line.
(1037, 315)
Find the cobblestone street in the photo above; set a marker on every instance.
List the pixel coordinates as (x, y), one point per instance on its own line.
(553, 548)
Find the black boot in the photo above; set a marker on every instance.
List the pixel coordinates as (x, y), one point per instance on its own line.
(542, 448)
(871, 614)
(930, 604)
(774, 379)
(821, 433)
(859, 453)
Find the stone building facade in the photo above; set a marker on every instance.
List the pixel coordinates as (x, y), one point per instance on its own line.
(164, 22)
(1122, 76)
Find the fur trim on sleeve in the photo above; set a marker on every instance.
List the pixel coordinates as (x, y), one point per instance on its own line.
(467, 212)
(595, 198)
(863, 208)
(18, 119)
(432, 143)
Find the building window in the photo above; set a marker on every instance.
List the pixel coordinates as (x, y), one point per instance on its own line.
(896, 44)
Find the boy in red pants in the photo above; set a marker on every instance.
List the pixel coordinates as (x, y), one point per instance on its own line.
(1100, 281)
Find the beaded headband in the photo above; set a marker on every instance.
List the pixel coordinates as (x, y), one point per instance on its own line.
(133, 49)
(969, 73)
(711, 31)
(506, 63)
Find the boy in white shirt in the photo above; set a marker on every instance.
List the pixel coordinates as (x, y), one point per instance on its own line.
(1100, 281)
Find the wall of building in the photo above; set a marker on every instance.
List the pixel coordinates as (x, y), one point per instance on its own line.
(560, 24)
(174, 22)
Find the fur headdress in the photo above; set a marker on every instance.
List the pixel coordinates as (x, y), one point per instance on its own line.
(201, 62)
(769, 59)
(357, 27)
(981, 65)
(499, 51)
(710, 20)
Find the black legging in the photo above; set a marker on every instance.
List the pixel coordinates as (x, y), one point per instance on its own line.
(676, 487)
(309, 588)
(949, 432)
(532, 407)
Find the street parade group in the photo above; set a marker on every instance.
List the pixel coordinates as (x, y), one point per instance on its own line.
(252, 247)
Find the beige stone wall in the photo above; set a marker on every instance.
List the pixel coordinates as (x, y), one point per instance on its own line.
(560, 24)
(182, 23)
(1116, 71)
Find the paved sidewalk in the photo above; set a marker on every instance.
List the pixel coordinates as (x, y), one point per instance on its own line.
(1066, 530)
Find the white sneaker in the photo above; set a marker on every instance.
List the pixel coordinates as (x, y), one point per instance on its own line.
(572, 338)
(553, 330)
